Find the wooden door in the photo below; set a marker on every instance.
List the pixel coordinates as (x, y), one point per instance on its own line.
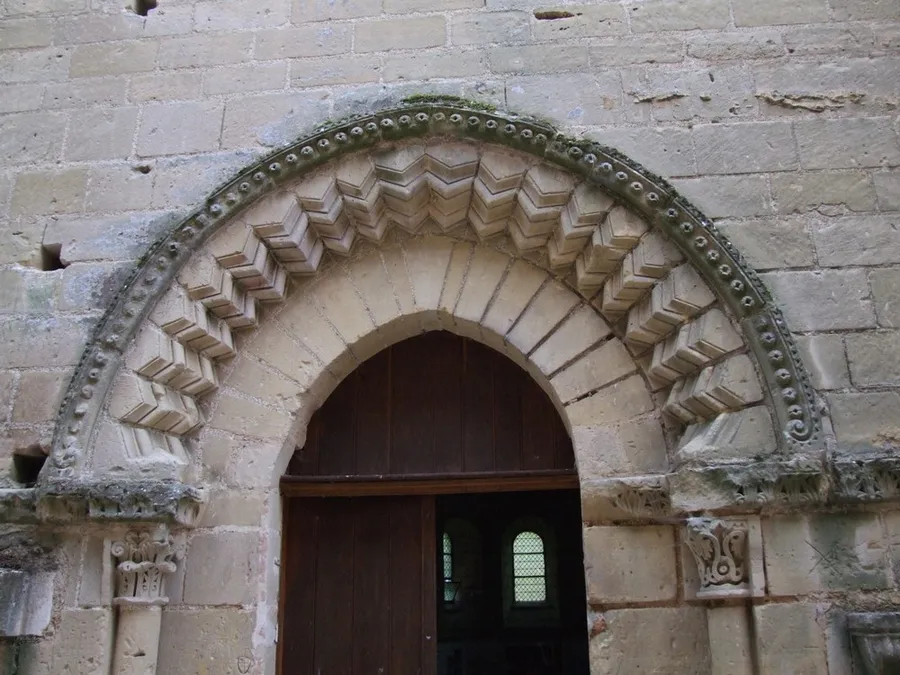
(359, 586)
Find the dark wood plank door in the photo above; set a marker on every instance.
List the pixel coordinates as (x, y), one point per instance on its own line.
(359, 586)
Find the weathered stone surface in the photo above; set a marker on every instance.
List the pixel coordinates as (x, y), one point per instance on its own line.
(825, 357)
(215, 639)
(842, 143)
(220, 568)
(886, 296)
(866, 355)
(629, 564)
(39, 396)
(42, 341)
(866, 420)
(73, 653)
(615, 403)
(752, 147)
(674, 642)
(826, 300)
(857, 240)
(631, 448)
(820, 190)
(790, 639)
(745, 434)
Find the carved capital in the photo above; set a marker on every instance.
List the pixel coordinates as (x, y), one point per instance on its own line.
(720, 549)
(144, 558)
(876, 636)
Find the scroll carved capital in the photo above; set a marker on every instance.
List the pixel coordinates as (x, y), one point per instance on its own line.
(720, 549)
(144, 558)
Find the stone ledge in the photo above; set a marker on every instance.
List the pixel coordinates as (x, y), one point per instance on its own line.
(70, 500)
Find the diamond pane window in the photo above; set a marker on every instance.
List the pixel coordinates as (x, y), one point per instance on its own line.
(529, 569)
(449, 586)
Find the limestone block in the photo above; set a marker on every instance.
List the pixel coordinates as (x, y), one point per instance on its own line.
(161, 359)
(578, 333)
(494, 192)
(278, 349)
(631, 448)
(617, 402)
(149, 445)
(886, 290)
(649, 261)
(630, 564)
(358, 182)
(671, 641)
(339, 303)
(551, 304)
(221, 568)
(745, 434)
(806, 554)
(545, 191)
(694, 345)
(610, 361)
(584, 211)
(370, 278)
(520, 285)
(404, 185)
(187, 321)
(731, 649)
(72, 653)
(681, 295)
(790, 640)
(486, 270)
(616, 236)
(252, 379)
(733, 383)
(863, 421)
(216, 640)
(38, 396)
(217, 291)
(324, 206)
(405, 33)
(152, 405)
(871, 358)
(248, 418)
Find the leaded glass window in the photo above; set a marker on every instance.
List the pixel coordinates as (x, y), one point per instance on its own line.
(529, 569)
(449, 586)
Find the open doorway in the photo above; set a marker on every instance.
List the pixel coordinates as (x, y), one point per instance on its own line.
(432, 523)
(511, 577)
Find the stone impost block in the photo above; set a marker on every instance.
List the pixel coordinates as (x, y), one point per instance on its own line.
(731, 649)
(744, 434)
(630, 564)
(632, 448)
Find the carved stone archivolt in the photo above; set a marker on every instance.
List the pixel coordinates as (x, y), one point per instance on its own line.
(143, 560)
(720, 549)
(164, 387)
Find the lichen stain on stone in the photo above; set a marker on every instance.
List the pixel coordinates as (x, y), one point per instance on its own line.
(811, 102)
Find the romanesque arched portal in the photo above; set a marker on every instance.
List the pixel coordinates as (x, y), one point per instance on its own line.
(673, 371)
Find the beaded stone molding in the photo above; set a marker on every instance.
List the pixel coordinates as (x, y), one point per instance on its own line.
(717, 260)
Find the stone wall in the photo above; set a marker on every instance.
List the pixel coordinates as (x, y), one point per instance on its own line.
(778, 119)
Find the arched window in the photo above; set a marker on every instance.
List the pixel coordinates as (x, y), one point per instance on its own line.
(449, 585)
(529, 569)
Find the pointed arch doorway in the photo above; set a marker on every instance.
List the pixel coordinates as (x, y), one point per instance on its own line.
(432, 523)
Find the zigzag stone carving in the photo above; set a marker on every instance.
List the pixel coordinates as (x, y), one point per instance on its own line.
(227, 276)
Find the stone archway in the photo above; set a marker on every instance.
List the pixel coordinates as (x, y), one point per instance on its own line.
(662, 351)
